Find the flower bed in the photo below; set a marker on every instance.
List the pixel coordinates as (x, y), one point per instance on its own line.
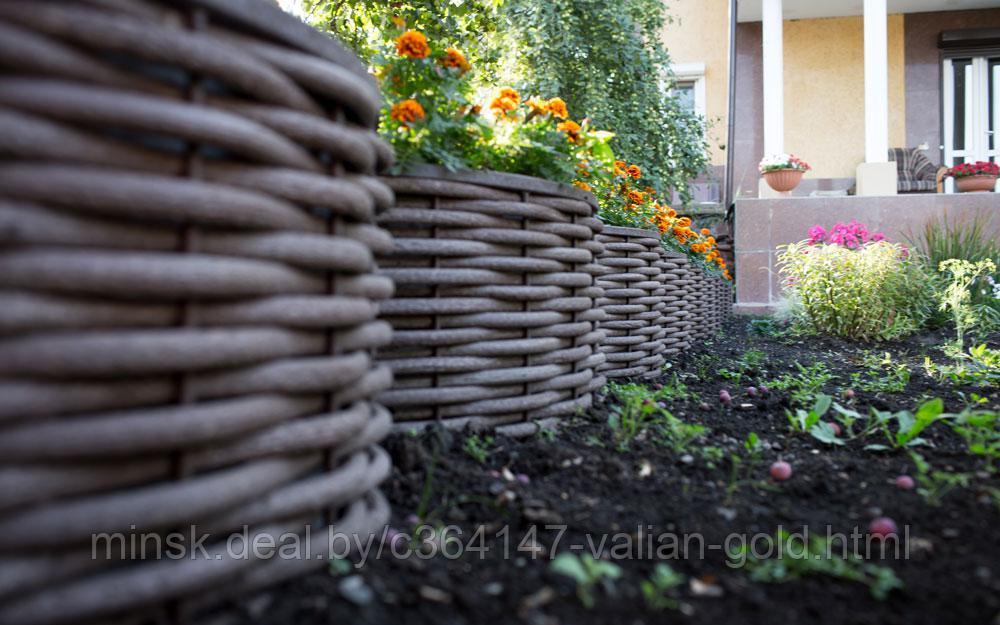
(189, 303)
(494, 311)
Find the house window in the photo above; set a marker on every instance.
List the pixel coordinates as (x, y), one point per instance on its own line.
(689, 86)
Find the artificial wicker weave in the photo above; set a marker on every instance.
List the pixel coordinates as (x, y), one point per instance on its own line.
(635, 301)
(494, 318)
(676, 314)
(187, 198)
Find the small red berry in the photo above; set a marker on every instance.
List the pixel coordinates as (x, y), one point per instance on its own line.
(781, 470)
(836, 428)
(882, 527)
(725, 397)
(905, 482)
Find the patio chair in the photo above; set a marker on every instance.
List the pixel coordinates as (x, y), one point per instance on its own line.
(916, 172)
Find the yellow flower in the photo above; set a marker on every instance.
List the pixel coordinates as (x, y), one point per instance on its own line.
(398, 21)
(413, 44)
(407, 112)
(453, 58)
(582, 185)
(557, 107)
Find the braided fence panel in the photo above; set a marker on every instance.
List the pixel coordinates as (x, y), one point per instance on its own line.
(189, 302)
(494, 317)
(635, 302)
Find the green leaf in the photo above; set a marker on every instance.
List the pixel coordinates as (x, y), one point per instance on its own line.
(569, 565)
(824, 432)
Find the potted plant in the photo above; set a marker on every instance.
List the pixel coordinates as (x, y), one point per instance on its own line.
(783, 172)
(978, 177)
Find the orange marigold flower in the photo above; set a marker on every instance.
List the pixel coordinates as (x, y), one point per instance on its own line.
(413, 44)
(636, 197)
(407, 112)
(507, 92)
(557, 106)
(571, 128)
(537, 106)
(579, 184)
(453, 58)
(398, 21)
(634, 172)
(684, 222)
(705, 232)
(506, 102)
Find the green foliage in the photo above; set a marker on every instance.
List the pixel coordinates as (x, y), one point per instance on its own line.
(979, 367)
(882, 374)
(956, 298)
(933, 485)
(368, 26)
(803, 420)
(743, 465)
(655, 589)
(972, 240)
(799, 558)
(640, 411)
(606, 59)
(747, 364)
(587, 573)
(903, 428)
(765, 327)
(804, 385)
(980, 429)
(477, 447)
(874, 292)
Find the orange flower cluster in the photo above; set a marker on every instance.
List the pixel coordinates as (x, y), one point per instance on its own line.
(557, 107)
(413, 44)
(407, 112)
(453, 58)
(571, 128)
(506, 102)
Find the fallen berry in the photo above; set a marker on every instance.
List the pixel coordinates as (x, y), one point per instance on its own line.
(836, 428)
(751, 391)
(848, 394)
(882, 527)
(764, 390)
(905, 482)
(704, 406)
(657, 386)
(412, 519)
(523, 479)
(781, 470)
(725, 397)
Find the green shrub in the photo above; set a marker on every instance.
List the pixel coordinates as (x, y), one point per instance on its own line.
(875, 292)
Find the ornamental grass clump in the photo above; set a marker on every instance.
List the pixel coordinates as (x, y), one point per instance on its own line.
(875, 291)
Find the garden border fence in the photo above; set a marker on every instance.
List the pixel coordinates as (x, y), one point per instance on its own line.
(187, 197)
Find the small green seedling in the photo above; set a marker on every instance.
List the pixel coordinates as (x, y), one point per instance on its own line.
(742, 467)
(908, 426)
(804, 386)
(799, 558)
(587, 573)
(478, 447)
(981, 431)
(882, 374)
(935, 485)
(655, 589)
(803, 420)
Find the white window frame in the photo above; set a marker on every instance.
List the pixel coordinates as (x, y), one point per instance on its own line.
(976, 114)
(692, 73)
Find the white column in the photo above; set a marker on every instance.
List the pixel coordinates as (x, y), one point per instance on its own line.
(774, 84)
(876, 83)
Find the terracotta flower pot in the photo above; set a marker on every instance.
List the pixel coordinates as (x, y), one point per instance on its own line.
(783, 180)
(975, 184)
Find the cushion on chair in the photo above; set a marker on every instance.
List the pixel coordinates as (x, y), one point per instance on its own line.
(915, 172)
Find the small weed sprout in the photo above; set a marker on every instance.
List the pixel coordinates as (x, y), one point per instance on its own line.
(477, 447)
(804, 386)
(933, 485)
(980, 429)
(655, 589)
(742, 466)
(747, 364)
(799, 557)
(882, 374)
(587, 573)
(908, 425)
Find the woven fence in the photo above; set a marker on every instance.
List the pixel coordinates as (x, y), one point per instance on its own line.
(634, 300)
(189, 301)
(494, 313)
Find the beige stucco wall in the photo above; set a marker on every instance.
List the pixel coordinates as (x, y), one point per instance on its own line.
(825, 92)
(700, 34)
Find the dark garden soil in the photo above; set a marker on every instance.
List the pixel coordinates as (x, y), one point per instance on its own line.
(578, 479)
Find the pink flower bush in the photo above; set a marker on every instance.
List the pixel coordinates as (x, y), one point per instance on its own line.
(852, 235)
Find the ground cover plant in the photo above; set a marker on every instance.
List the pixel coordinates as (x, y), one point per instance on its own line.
(553, 528)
